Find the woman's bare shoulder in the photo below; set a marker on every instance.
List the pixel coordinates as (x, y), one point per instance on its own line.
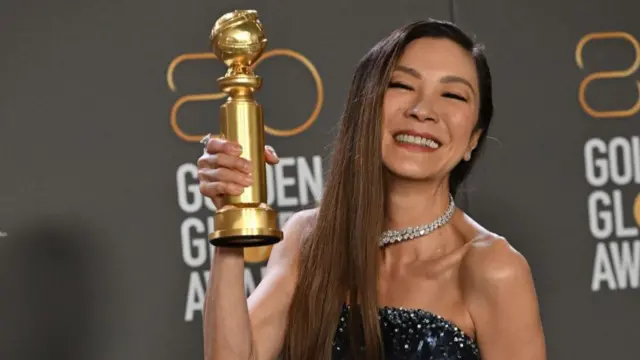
(490, 256)
(295, 229)
(299, 225)
(500, 295)
(303, 218)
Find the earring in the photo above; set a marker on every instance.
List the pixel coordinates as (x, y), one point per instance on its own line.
(467, 156)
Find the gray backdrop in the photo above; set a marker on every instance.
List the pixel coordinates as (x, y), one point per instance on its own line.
(102, 251)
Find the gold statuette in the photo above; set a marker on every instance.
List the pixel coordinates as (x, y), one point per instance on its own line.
(238, 40)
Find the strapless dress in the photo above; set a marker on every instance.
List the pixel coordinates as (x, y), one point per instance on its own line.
(412, 334)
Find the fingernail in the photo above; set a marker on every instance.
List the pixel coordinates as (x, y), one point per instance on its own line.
(236, 188)
(272, 150)
(247, 165)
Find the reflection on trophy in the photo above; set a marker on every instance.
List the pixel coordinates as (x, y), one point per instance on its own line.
(246, 220)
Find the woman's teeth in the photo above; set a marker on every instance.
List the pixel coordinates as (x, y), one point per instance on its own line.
(417, 140)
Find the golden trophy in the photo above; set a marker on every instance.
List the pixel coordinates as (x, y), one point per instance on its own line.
(238, 40)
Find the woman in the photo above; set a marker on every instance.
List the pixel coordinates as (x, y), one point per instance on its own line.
(353, 279)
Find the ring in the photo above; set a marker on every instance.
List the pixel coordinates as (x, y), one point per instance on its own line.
(205, 140)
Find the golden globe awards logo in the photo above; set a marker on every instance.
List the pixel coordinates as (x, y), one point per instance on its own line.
(295, 182)
(612, 169)
(218, 96)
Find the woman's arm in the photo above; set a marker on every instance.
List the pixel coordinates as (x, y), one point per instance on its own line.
(502, 301)
(236, 328)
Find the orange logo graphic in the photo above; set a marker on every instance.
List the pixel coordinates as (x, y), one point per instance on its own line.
(217, 96)
(636, 209)
(617, 74)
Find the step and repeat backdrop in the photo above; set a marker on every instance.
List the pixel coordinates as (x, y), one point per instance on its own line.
(103, 250)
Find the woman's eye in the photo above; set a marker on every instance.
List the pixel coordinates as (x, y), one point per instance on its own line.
(455, 96)
(395, 84)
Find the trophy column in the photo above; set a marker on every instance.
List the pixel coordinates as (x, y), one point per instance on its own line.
(238, 40)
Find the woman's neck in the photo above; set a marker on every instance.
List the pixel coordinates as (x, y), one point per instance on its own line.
(414, 203)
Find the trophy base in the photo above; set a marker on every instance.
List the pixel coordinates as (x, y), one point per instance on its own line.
(245, 227)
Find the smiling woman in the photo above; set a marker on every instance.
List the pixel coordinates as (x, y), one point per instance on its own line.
(431, 110)
(387, 266)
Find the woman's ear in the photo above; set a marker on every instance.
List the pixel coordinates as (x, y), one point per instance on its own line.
(473, 142)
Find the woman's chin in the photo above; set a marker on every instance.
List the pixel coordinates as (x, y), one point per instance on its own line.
(410, 173)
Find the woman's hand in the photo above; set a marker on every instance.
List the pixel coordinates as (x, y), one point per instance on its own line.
(222, 171)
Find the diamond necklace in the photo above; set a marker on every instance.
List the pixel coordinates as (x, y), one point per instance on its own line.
(393, 236)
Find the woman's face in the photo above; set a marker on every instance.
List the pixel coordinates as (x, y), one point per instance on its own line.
(430, 110)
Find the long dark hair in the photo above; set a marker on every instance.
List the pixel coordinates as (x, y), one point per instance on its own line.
(339, 258)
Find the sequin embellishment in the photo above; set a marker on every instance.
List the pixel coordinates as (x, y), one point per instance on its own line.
(412, 334)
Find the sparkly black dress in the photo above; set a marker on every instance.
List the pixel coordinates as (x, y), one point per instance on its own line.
(410, 334)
